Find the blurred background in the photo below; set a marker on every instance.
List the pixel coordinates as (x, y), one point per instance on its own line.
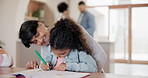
(121, 28)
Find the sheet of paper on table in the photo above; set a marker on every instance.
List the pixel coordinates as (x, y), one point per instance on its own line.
(38, 73)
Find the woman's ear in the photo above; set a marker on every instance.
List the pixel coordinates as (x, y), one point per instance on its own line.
(41, 24)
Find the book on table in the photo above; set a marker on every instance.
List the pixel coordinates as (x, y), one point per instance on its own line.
(38, 73)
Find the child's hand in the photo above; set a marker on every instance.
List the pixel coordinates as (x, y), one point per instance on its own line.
(2, 51)
(45, 67)
(32, 65)
(61, 67)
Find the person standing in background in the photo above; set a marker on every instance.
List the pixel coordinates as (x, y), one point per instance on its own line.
(63, 9)
(86, 19)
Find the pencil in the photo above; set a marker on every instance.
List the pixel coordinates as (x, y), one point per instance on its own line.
(37, 53)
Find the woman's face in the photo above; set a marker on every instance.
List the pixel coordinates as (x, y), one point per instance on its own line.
(42, 36)
(61, 53)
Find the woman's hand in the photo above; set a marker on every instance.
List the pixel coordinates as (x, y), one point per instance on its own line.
(2, 51)
(32, 65)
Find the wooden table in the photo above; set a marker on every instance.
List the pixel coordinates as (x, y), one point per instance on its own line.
(5, 73)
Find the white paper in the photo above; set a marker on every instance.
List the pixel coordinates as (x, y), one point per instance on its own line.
(37, 73)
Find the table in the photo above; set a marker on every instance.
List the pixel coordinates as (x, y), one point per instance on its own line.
(5, 73)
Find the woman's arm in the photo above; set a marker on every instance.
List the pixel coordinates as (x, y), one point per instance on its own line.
(97, 52)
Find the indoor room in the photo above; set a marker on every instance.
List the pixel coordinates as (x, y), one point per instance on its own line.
(112, 34)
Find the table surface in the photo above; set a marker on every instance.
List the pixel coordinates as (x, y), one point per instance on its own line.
(5, 73)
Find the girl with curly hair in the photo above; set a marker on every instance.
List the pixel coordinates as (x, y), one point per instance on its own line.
(69, 50)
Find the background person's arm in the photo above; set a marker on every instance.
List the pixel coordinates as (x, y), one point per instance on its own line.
(91, 24)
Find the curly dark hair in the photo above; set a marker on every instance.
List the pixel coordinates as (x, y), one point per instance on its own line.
(68, 35)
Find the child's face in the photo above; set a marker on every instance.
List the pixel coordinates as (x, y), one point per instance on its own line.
(61, 53)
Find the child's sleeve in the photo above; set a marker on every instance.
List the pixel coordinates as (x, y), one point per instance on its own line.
(86, 64)
(97, 51)
(6, 60)
(1, 59)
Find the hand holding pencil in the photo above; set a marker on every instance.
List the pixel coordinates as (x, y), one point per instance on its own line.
(45, 67)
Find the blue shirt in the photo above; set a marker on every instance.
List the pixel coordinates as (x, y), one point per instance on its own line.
(75, 60)
(87, 21)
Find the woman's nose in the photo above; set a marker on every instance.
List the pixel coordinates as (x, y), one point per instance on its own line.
(39, 41)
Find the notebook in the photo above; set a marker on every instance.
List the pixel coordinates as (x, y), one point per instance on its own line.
(37, 73)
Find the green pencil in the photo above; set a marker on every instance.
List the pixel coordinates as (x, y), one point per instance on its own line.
(37, 53)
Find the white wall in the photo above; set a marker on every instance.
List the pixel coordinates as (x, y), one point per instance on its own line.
(11, 17)
(101, 20)
(7, 25)
(20, 14)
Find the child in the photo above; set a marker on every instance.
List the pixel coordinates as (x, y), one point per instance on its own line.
(68, 49)
(5, 59)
